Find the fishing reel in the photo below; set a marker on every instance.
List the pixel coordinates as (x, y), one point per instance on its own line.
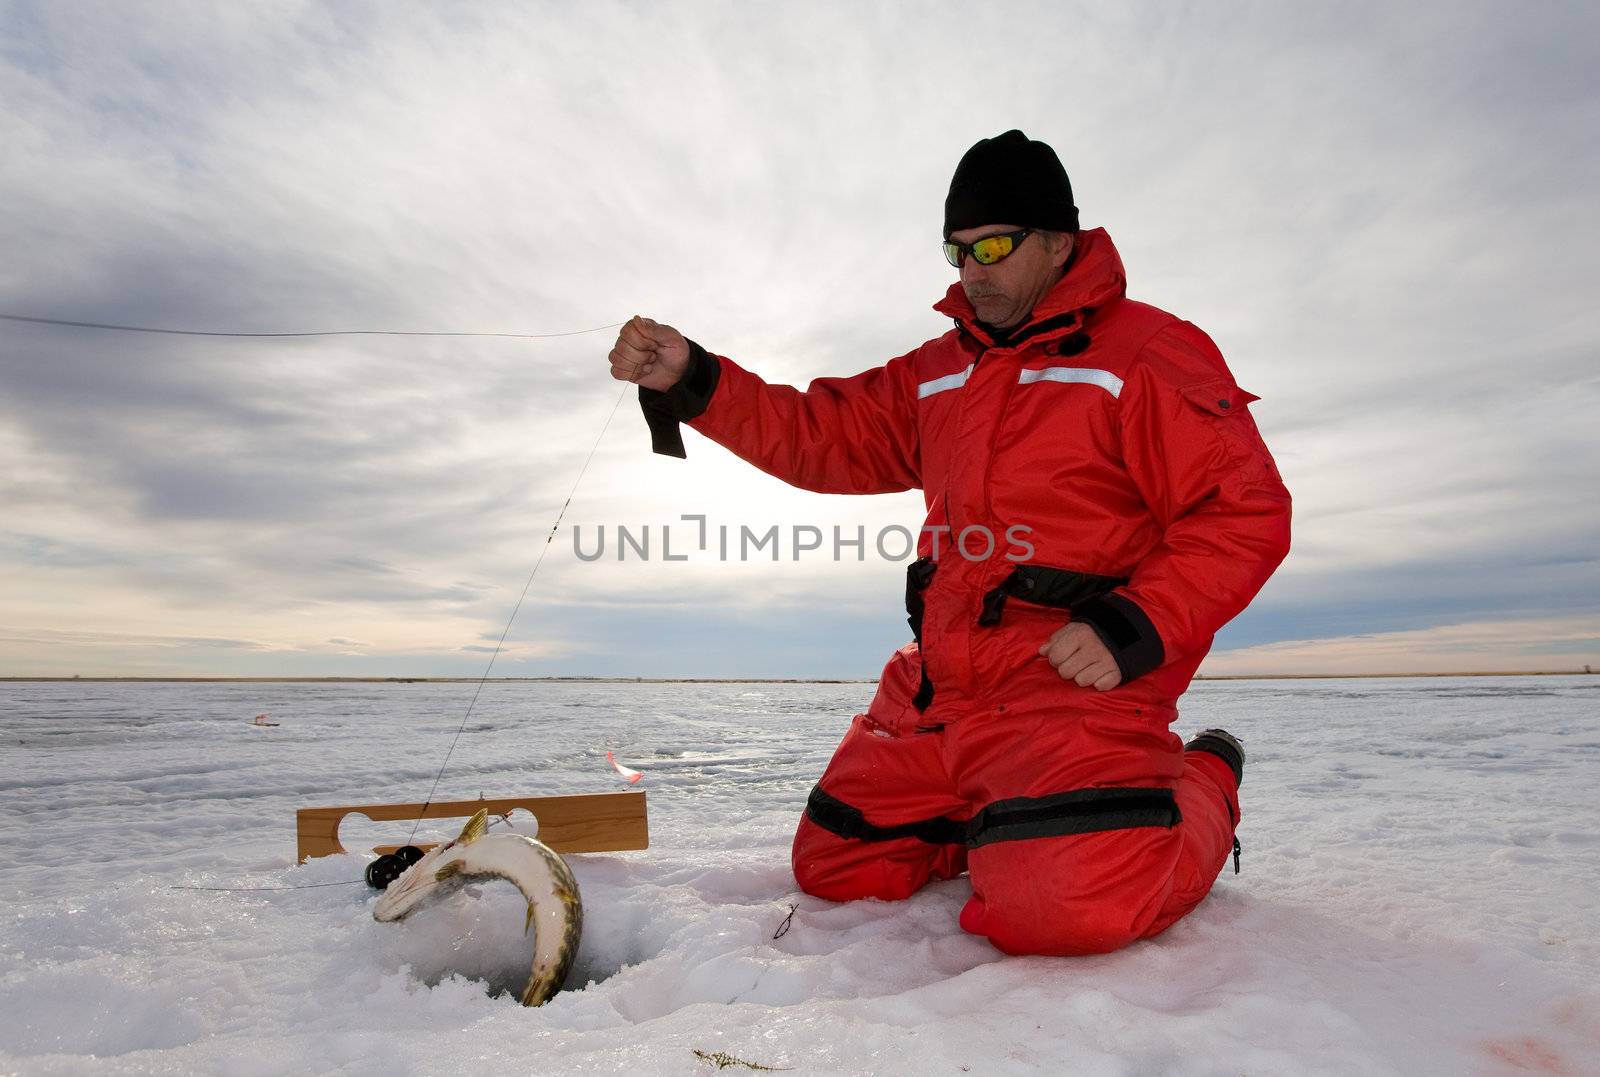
(390, 866)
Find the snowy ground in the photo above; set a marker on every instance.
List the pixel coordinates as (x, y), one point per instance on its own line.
(1419, 893)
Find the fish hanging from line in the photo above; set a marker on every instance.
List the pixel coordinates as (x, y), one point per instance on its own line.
(555, 911)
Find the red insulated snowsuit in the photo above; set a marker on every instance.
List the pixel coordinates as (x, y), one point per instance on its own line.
(1114, 433)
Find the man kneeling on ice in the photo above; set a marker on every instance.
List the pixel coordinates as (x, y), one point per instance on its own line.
(1023, 737)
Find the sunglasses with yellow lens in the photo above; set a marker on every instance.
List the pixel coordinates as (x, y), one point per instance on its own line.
(988, 250)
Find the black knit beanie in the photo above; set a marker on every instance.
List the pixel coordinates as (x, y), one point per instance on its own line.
(1010, 179)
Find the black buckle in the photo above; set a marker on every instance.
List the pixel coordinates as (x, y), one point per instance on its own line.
(994, 605)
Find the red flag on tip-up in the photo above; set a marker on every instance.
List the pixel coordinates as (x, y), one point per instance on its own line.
(627, 773)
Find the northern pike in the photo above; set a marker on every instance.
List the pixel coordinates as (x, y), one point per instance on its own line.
(555, 912)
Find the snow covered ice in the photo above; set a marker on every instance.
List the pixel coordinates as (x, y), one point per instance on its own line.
(1418, 893)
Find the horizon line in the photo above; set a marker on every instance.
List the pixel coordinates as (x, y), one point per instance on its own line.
(611, 679)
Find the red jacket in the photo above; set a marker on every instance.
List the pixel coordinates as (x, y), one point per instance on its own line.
(1109, 428)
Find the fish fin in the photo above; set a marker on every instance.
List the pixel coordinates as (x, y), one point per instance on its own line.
(475, 828)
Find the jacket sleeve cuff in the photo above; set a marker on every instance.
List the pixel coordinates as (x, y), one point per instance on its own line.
(1125, 630)
(686, 400)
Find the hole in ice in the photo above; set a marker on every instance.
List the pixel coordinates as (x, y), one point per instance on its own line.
(475, 934)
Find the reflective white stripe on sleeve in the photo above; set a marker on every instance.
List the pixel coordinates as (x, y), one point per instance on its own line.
(1084, 375)
(939, 385)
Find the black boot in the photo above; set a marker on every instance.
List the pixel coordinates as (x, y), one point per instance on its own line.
(1223, 745)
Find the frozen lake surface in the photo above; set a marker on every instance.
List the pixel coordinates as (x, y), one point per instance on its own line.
(1419, 892)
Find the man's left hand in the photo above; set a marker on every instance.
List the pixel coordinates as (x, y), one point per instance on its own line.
(1078, 655)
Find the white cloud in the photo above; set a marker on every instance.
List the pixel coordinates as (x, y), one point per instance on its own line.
(1375, 213)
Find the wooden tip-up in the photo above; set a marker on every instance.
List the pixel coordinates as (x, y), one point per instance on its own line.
(581, 823)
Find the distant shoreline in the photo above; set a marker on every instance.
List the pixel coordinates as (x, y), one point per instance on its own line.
(735, 680)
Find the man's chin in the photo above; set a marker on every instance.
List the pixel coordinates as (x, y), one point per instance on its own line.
(996, 313)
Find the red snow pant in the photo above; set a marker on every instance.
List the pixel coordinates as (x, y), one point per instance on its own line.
(1082, 830)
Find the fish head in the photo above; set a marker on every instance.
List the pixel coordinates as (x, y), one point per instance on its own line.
(422, 879)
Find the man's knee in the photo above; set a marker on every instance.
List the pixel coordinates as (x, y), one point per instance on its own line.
(1072, 930)
(1071, 895)
(847, 869)
(826, 865)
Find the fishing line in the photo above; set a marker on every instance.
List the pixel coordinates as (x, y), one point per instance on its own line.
(262, 889)
(316, 333)
(549, 539)
(257, 889)
(499, 645)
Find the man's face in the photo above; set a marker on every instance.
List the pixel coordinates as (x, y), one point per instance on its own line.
(1005, 293)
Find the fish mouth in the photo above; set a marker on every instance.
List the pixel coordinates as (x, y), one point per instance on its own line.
(408, 892)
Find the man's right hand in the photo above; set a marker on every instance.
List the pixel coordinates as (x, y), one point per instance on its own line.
(650, 354)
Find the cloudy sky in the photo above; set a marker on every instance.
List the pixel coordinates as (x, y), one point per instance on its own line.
(1384, 214)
